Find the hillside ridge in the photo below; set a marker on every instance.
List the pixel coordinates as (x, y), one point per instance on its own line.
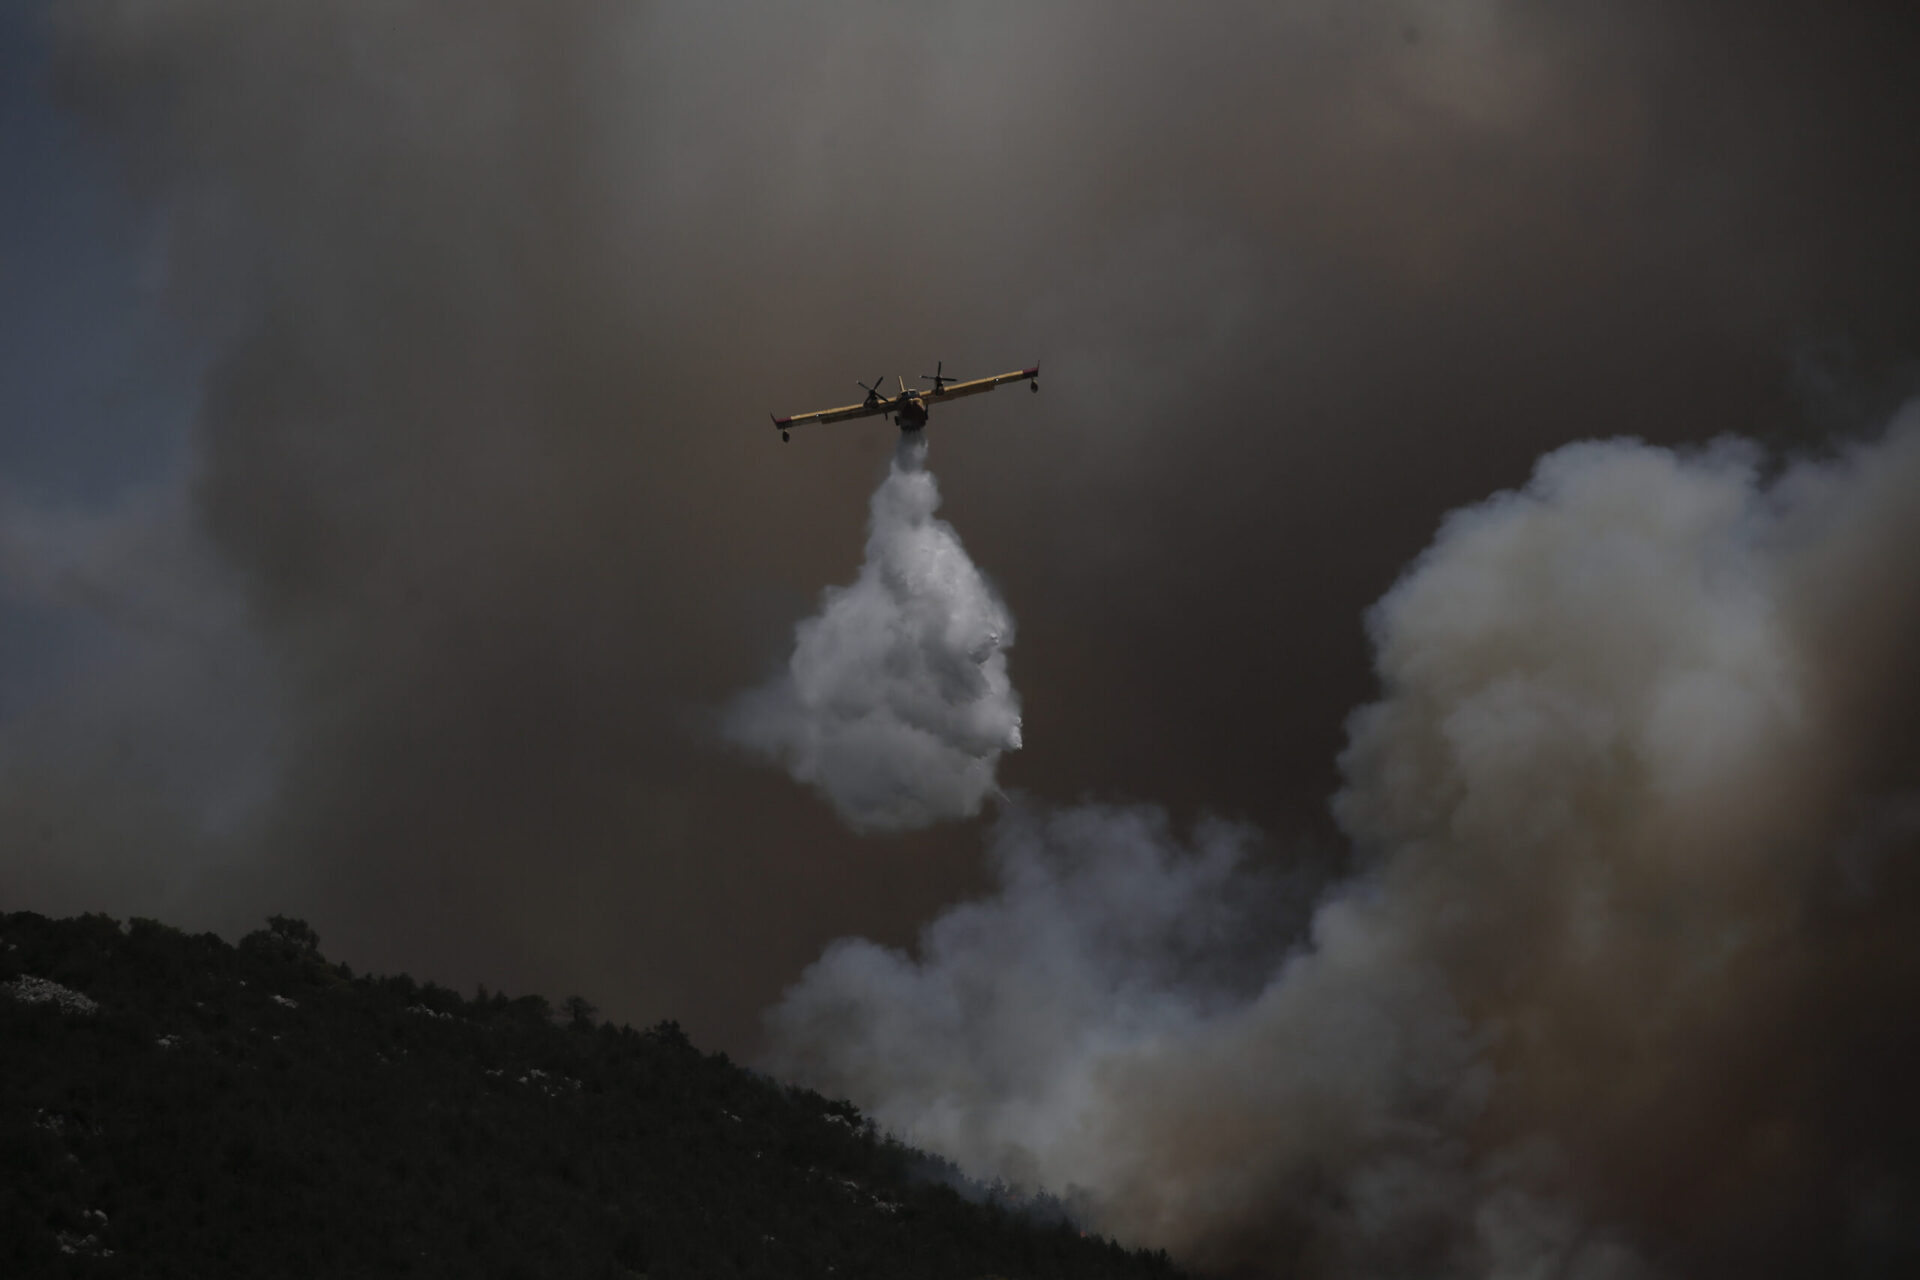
(175, 1105)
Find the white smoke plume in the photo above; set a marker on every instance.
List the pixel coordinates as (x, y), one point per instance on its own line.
(1620, 985)
(896, 704)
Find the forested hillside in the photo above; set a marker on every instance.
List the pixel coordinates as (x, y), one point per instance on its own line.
(172, 1105)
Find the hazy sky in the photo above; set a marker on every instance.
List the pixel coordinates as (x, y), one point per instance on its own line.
(388, 509)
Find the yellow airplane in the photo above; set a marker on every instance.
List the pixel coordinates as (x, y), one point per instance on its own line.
(911, 406)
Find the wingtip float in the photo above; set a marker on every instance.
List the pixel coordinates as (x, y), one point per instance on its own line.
(910, 407)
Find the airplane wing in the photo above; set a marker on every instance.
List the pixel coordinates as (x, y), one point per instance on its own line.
(977, 385)
(866, 409)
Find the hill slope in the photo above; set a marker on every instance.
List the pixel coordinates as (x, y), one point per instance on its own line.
(171, 1105)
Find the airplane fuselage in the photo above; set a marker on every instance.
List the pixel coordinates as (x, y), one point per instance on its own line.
(910, 413)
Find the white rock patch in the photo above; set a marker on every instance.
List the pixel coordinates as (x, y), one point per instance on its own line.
(31, 990)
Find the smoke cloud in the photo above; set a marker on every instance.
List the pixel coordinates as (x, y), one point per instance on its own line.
(896, 705)
(147, 739)
(474, 314)
(1621, 984)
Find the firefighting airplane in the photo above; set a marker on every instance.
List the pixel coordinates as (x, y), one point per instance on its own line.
(911, 406)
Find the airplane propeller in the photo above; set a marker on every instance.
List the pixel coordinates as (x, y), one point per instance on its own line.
(873, 392)
(936, 378)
